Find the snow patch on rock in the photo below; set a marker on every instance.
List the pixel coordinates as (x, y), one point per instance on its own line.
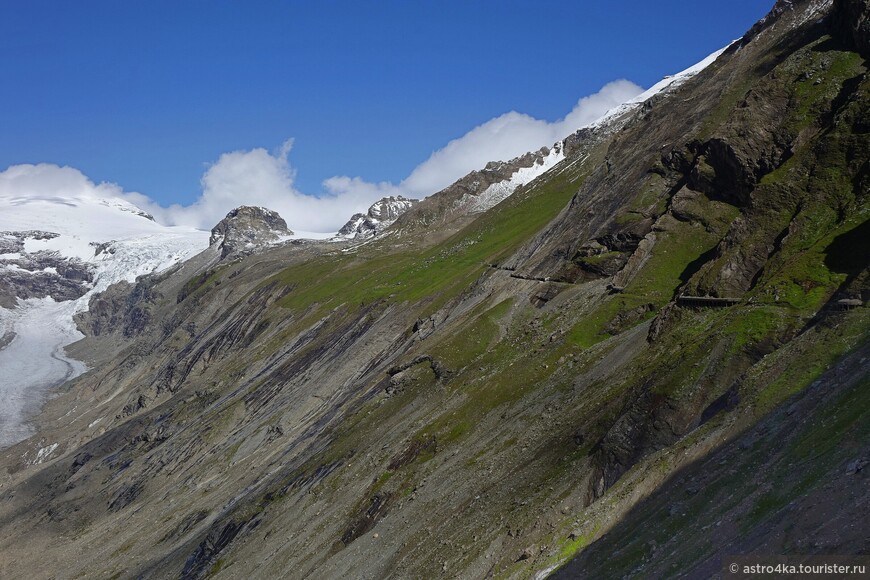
(498, 192)
(381, 215)
(44, 453)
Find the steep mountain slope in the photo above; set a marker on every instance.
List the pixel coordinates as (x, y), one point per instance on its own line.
(443, 214)
(795, 483)
(491, 399)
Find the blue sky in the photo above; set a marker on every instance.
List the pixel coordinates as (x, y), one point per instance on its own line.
(148, 94)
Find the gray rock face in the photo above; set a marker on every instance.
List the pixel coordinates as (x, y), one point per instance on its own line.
(11, 242)
(123, 307)
(247, 228)
(39, 274)
(380, 216)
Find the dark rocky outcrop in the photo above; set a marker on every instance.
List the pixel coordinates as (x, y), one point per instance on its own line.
(123, 307)
(378, 507)
(39, 274)
(6, 338)
(25, 284)
(206, 553)
(438, 369)
(852, 18)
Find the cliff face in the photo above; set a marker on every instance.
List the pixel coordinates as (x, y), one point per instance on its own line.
(498, 397)
(852, 18)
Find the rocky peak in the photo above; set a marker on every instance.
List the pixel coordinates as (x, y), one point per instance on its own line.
(247, 228)
(379, 216)
(390, 208)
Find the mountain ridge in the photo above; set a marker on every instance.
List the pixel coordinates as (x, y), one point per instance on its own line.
(500, 396)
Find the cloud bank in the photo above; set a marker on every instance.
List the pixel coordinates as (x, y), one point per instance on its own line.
(499, 139)
(49, 181)
(261, 177)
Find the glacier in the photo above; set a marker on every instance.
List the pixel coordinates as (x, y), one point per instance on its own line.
(33, 362)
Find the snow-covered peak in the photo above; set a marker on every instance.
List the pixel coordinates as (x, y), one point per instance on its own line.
(80, 220)
(388, 209)
(126, 206)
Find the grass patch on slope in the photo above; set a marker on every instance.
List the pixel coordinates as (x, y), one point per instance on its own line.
(438, 272)
(463, 348)
(655, 283)
(812, 361)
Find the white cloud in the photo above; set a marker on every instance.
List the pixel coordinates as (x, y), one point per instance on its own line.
(260, 177)
(48, 181)
(499, 139)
